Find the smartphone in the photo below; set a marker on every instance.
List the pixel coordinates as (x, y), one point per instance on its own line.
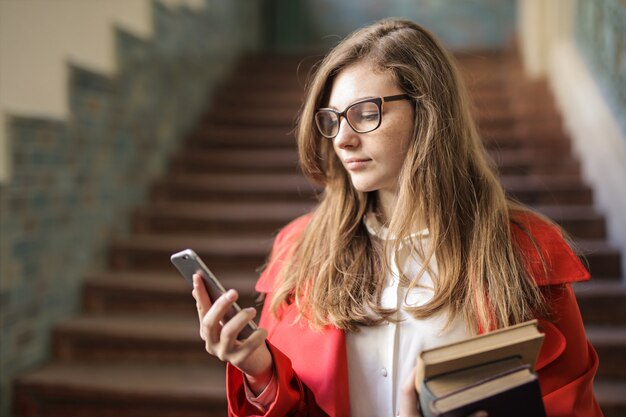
(189, 263)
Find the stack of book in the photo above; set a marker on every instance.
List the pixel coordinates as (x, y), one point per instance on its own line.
(493, 372)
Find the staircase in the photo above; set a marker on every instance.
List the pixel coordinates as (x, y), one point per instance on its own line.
(135, 351)
(523, 131)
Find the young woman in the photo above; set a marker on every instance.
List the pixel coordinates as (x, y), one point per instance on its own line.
(413, 244)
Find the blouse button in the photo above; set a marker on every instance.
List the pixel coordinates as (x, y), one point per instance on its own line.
(383, 372)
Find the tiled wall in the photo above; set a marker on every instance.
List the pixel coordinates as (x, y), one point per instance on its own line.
(600, 31)
(74, 181)
(471, 24)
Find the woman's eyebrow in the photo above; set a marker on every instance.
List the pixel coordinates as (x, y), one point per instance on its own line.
(352, 102)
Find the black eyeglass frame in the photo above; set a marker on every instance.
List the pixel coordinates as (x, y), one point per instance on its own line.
(379, 101)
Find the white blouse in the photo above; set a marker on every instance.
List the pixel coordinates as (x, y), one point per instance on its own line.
(380, 358)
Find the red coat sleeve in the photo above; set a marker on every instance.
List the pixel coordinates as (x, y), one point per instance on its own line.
(293, 397)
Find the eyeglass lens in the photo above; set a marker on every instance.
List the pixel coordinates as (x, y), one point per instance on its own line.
(362, 117)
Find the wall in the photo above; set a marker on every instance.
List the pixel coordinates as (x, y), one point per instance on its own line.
(600, 33)
(599, 30)
(75, 178)
(38, 39)
(321, 23)
(581, 47)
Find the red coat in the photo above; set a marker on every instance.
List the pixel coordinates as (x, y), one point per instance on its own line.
(311, 367)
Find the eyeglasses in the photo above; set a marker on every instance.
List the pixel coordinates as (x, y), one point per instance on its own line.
(364, 116)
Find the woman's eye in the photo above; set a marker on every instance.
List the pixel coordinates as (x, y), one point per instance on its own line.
(369, 116)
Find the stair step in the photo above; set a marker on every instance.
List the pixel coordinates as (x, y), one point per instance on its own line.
(602, 259)
(238, 95)
(579, 221)
(260, 217)
(545, 190)
(582, 222)
(269, 62)
(551, 143)
(152, 251)
(485, 100)
(610, 343)
(254, 116)
(610, 395)
(548, 190)
(533, 162)
(500, 118)
(120, 292)
(163, 337)
(524, 162)
(602, 302)
(236, 161)
(236, 136)
(233, 187)
(123, 291)
(284, 80)
(261, 96)
(122, 389)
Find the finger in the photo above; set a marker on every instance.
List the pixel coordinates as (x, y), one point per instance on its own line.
(203, 302)
(234, 326)
(247, 348)
(409, 401)
(481, 413)
(215, 315)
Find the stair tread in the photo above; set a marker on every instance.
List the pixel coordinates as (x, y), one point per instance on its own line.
(166, 283)
(255, 157)
(217, 130)
(255, 242)
(597, 287)
(226, 244)
(601, 334)
(610, 391)
(289, 157)
(284, 181)
(254, 211)
(530, 155)
(240, 182)
(542, 182)
(271, 210)
(590, 246)
(137, 281)
(569, 212)
(166, 380)
(164, 327)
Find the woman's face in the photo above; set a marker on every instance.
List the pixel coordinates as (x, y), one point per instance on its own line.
(373, 160)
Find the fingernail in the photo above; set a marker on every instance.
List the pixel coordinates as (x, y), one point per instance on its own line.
(231, 295)
(251, 311)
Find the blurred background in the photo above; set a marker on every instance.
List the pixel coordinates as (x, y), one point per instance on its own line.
(133, 128)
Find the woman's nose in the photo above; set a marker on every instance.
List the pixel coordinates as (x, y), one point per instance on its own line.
(346, 137)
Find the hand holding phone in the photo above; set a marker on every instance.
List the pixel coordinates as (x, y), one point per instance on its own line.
(250, 353)
(189, 263)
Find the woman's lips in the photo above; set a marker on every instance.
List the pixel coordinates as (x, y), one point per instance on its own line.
(354, 164)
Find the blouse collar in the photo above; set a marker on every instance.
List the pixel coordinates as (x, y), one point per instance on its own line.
(375, 228)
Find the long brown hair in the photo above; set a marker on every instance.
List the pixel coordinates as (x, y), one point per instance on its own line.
(336, 270)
